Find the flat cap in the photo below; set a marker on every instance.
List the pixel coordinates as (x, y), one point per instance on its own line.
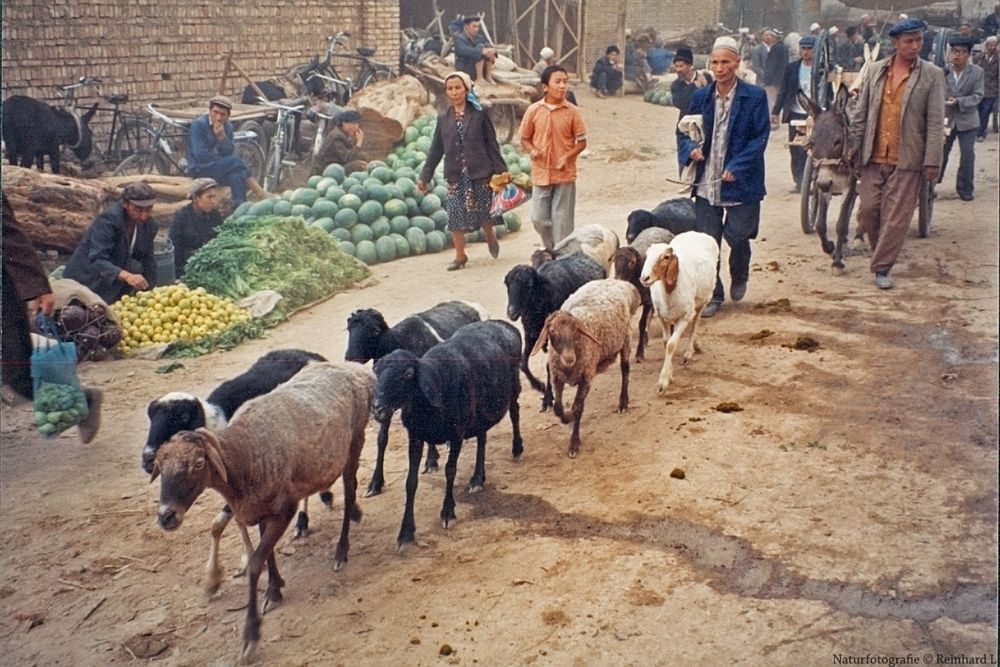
(907, 25)
(201, 185)
(347, 116)
(221, 101)
(808, 41)
(961, 40)
(684, 54)
(139, 194)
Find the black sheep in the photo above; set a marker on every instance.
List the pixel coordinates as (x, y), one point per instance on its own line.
(271, 90)
(534, 294)
(33, 129)
(459, 389)
(675, 214)
(369, 337)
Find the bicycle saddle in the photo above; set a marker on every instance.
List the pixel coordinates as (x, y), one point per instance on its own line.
(366, 52)
(117, 99)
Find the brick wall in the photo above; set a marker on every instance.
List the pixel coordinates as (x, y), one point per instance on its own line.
(173, 50)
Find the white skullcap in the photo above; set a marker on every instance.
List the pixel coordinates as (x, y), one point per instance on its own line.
(834, 30)
(814, 26)
(903, 17)
(991, 39)
(546, 53)
(727, 43)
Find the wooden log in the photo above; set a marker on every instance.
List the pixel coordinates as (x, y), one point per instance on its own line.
(387, 108)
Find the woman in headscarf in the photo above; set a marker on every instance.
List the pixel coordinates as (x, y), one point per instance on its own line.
(467, 140)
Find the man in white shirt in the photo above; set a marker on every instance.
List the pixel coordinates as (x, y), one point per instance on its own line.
(798, 77)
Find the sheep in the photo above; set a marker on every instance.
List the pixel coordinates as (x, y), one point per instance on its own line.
(584, 337)
(675, 214)
(33, 129)
(278, 449)
(628, 267)
(597, 241)
(533, 294)
(681, 277)
(460, 388)
(369, 337)
(178, 411)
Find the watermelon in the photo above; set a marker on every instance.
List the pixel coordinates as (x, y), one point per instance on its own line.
(302, 211)
(242, 209)
(306, 196)
(359, 191)
(406, 185)
(334, 170)
(417, 240)
(324, 208)
(412, 207)
(313, 180)
(369, 212)
(324, 184)
(441, 192)
(381, 227)
(378, 192)
(282, 207)
(402, 247)
(360, 232)
(383, 174)
(440, 218)
(435, 241)
(341, 234)
(334, 193)
(406, 172)
(287, 195)
(371, 182)
(526, 164)
(500, 231)
(423, 223)
(350, 201)
(395, 192)
(385, 247)
(326, 224)
(345, 218)
(394, 207)
(375, 164)
(399, 224)
(262, 207)
(411, 134)
(348, 182)
(512, 221)
(366, 252)
(392, 159)
(359, 176)
(423, 144)
(429, 204)
(347, 248)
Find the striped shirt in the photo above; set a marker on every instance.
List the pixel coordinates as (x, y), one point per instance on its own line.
(711, 180)
(554, 131)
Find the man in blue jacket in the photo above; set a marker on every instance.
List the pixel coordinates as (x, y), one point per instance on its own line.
(210, 152)
(474, 54)
(730, 173)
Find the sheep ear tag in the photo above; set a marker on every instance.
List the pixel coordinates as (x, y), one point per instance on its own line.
(673, 271)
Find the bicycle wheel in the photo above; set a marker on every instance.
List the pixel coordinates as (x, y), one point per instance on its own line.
(809, 201)
(253, 157)
(925, 213)
(139, 164)
(272, 171)
(134, 135)
(375, 75)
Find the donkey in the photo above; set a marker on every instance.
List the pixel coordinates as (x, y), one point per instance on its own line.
(834, 176)
(33, 129)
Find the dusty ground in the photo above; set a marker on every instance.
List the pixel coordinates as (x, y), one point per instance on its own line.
(849, 509)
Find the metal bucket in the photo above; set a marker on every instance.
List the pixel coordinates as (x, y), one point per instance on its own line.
(163, 252)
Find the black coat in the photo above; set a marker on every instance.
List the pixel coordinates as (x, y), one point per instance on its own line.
(775, 64)
(104, 251)
(479, 140)
(189, 231)
(784, 104)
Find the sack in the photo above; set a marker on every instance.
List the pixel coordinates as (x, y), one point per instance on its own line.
(59, 400)
(507, 199)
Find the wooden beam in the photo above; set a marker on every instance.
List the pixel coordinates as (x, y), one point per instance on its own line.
(225, 73)
(562, 17)
(530, 7)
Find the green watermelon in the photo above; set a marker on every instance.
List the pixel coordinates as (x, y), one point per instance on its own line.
(375, 164)
(346, 217)
(361, 232)
(526, 164)
(348, 182)
(302, 211)
(440, 218)
(500, 231)
(341, 234)
(395, 192)
(385, 247)
(350, 201)
(359, 176)
(394, 207)
(324, 208)
(366, 252)
(406, 172)
(359, 191)
(399, 224)
(512, 221)
(430, 203)
(406, 185)
(423, 144)
(372, 182)
(402, 247)
(242, 209)
(306, 196)
(282, 207)
(347, 248)
(411, 134)
(313, 180)
(435, 241)
(412, 207)
(324, 184)
(262, 207)
(441, 191)
(369, 212)
(287, 195)
(334, 193)
(326, 224)
(383, 174)
(381, 227)
(334, 170)
(378, 192)
(417, 240)
(423, 223)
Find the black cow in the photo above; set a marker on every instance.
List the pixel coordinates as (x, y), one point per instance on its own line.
(33, 129)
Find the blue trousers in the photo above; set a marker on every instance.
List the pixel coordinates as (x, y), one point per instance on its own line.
(228, 170)
(737, 224)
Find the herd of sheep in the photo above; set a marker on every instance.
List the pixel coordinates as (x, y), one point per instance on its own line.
(294, 423)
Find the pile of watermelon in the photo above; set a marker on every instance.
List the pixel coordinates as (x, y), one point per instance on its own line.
(659, 94)
(378, 215)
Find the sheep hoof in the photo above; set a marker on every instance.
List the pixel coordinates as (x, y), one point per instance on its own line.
(212, 585)
(430, 467)
(249, 648)
(661, 389)
(271, 601)
(573, 453)
(337, 564)
(448, 521)
(837, 268)
(300, 532)
(242, 572)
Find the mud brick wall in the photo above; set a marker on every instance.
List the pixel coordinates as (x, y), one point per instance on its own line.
(174, 50)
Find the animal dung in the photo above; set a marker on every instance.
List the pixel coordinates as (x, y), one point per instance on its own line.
(806, 343)
(762, 334)
(677, 473)
(728, 406)
(773, 266)
(445, 649)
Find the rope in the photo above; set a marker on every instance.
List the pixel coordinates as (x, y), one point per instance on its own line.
(670, 180)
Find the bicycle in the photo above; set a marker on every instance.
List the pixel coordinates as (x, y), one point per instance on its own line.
(277, 165)
(168, 144)
(129, 133)
(370, 71)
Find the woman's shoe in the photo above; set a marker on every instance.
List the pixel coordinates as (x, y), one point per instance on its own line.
(457, 264)
(494, 247)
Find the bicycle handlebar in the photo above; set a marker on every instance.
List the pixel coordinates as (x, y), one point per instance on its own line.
(274, 105)
(82, 82)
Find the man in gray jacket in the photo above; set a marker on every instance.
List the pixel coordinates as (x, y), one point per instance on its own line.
(897, 133)
(963, 92)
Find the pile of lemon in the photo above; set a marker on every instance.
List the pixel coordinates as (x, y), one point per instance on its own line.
(173, 313)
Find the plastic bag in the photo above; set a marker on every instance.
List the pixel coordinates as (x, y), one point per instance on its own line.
(59, 400)
(507, 199)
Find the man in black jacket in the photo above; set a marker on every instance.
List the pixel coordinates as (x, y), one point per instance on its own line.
(798, 77)
(774, 64)
(683, 88)
(607, 76)
(195, 224)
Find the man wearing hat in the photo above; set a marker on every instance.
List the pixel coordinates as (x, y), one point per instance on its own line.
(963, 92)
(211, 152)
(729, 177)
(798, 78)
(775, 63)
(196, 223)
(115, 256)
(342, 144)
(546, 58)
(990, 63)
(474, 54)
(683, 88)
(896, 134)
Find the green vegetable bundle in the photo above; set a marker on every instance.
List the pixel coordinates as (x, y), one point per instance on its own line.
(276, 253)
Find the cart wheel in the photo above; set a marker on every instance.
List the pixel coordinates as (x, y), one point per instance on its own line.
(823, 66)
(809, 199)
(253, 157)
(133, 135)
(925, 207)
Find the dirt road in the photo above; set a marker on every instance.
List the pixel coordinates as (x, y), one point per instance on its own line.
(848, 509)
